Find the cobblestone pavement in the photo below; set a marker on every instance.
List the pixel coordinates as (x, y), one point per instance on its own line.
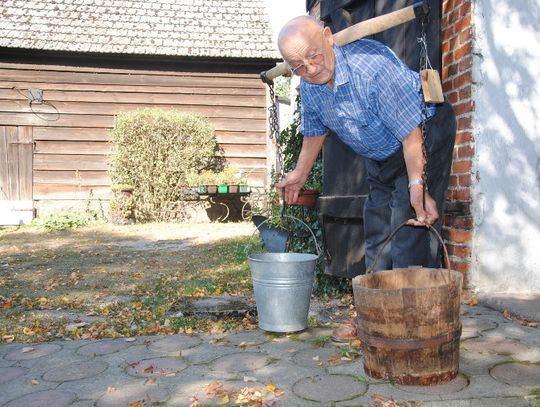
(499, 366)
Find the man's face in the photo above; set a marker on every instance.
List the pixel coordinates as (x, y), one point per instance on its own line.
(310, 55)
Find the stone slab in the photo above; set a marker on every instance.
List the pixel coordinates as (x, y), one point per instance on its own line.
(10, 373)
(133, 393)
(54, 398)
(241, 362)
(495, 345)
(103, 347)
(206, 353)
(525, 375)
(175, 343)
(248, 338)
(474, 363)
(329, 388)
(157, 367)
(523, 306)
(29, 352)
(453, 386)
(75, 371)
(319, 357)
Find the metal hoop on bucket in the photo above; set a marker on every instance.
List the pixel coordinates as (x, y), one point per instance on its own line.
(317, 247)
(391, 236)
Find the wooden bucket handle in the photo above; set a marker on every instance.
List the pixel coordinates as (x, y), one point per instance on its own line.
(430, 228)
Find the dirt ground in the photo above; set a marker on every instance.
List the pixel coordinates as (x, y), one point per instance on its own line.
(108, 280)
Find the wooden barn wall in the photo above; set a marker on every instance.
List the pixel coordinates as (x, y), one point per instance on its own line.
(71, 130)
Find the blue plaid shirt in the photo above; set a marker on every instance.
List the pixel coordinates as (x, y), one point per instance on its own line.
(374, 105)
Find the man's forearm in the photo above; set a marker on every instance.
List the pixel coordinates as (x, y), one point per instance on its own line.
(414, 157)
(311, 146)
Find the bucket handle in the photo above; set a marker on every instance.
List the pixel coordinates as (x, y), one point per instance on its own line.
(390, 237)
(248, 246)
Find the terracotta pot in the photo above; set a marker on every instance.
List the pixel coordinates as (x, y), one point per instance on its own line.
(307, 197)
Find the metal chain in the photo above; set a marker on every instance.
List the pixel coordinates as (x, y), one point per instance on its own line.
(274, 127)
(423, 65)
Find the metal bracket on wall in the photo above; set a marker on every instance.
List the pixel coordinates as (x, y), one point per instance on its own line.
(35, 95)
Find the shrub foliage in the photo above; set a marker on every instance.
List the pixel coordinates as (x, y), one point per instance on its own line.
(153, 151)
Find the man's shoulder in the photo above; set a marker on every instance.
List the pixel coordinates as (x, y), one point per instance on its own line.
(363, 45)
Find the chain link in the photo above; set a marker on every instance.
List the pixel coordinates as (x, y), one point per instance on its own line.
(423, 65)
(274, 128)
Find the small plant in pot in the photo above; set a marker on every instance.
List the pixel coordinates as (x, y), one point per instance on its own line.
(208, 178)
(308, 194)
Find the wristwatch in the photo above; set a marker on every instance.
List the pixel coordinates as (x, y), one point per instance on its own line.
(415, 182)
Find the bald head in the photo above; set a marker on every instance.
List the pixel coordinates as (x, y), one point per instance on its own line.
(304, 27)
(307, 48)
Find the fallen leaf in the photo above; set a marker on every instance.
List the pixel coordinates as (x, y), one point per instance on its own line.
(246, 344)
(130, 339)
(271, 387)
(8, 338)
(35, 382)
(290, 350)
(222, 401)
(315, 358)
(111, 389)
(138, 403)
(152, 380)
(28, 349)
(212, 387)
(507, 314)
(149, 369)
(250, 379)
(473, 301)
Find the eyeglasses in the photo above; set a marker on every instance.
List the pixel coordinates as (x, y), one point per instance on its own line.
(315, 59)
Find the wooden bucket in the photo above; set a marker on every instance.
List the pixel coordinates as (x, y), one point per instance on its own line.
(408, 322)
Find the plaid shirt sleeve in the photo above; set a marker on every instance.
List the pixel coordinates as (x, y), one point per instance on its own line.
(310, 122)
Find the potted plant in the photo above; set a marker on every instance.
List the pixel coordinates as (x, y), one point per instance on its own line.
(222, 182)
(242, 183)
(209, 179)
(308, 195)
(196, 182)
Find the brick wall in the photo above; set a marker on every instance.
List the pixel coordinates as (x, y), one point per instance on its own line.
(457, 58)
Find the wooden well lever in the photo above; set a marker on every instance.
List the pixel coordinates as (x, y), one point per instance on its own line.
(360, 30)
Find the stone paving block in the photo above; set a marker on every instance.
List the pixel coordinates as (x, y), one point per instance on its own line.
(83, 403)
(480, 402)
(131, 354)
(390, 391)
(147, 395)
(311, 334)
(284, 374)
(157, 367)
(10, 373)
(75, 371)
(329, 388)
(319, 357)
(485, 386)
(32, 351)
(205, 353)
(241, 362)
(8, 347)
(494, 345)
(354, 368)
(250, 338)
(103, 347)
(95, 387)
(174, 343)
(211, 392)
(453, 386)
(284, 348)
(474, 363)
(22, 385)
(7, 363)
(525, 375)
(472, 327)
(54, 398)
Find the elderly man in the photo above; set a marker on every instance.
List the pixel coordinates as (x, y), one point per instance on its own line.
(373, 102)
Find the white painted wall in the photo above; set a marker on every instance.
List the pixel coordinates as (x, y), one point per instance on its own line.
(506, 194)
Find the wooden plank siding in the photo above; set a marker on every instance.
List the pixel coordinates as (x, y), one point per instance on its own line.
(71, 130)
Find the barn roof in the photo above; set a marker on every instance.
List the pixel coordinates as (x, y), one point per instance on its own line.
(195, 28)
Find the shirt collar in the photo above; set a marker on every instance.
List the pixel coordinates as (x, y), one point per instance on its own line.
(341, 73)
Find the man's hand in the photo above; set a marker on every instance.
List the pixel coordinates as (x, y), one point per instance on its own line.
(424, 216)
(290, 186)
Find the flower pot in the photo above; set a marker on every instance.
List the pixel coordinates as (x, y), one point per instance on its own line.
(243, 188)
(233, 189)
(307, 197)
(211, 189)
(201, 189)
(222, 189)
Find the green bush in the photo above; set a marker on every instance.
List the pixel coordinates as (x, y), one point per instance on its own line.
(70, 220)
(154, 151)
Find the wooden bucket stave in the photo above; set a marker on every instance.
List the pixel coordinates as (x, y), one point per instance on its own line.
(408, 324)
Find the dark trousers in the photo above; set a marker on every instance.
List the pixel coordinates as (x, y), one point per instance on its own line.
(388, 204)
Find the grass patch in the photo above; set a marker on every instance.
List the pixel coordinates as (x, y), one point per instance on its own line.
(118, 279)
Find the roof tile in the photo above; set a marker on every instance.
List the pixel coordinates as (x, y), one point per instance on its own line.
(211, 28)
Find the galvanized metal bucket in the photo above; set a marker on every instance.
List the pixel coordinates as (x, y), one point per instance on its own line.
(282, 283)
